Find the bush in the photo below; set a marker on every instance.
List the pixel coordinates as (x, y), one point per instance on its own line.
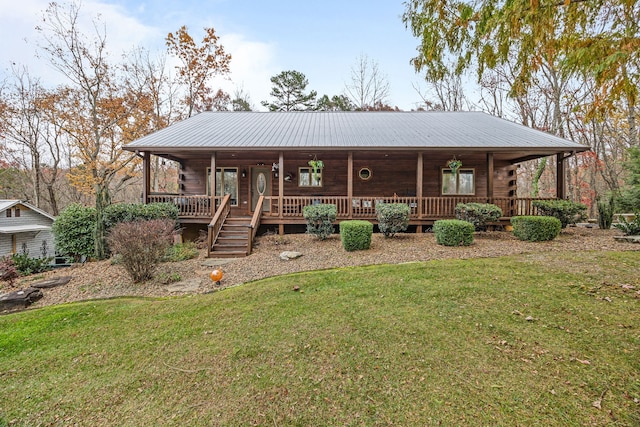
(566, 211)
(478, 214)
(181, 252)
(8, 271)
(453, 232)
(629, 228)
(141, 245)
(27, 265)
(536, 228)
(605, 213)
(320, 219)
(356, 235)
(129, 212)
(73, 231)
(392, 218)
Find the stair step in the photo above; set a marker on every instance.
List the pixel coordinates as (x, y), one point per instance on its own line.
(228, 254)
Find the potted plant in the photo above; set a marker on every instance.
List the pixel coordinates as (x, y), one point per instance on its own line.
(454, 164)
(316, 165)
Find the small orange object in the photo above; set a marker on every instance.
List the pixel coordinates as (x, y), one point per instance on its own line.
(216, 275)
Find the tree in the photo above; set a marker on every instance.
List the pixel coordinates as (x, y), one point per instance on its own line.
(600, 38)
(335, 103)
(101, 111)
(368, 87)
(288, 89)
(241, 100)
(199, 65)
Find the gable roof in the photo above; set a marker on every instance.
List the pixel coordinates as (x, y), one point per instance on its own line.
(227, 131)
(7, 204)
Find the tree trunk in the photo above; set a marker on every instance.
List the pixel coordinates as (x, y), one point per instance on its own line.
(102, 201)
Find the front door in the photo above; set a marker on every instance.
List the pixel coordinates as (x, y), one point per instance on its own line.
(260, 186)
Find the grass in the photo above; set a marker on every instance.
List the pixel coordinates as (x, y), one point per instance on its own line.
(505, 341)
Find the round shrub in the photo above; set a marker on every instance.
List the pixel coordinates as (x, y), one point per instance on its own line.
(566, 211)
(392, 218)
(320, 219)
(73, 231)
(536, 228)
(356, 235)
(453, 232)
(478, 214)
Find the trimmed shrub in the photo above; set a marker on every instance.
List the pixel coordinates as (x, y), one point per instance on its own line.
(536, 228)
(73, 231)
(605, 213)
(129, 212)
(356, 235)
(478, 214)
(320, 219)
(566, 211)
(392, 218)
(141, 245)
(629, 228)
(453, 232)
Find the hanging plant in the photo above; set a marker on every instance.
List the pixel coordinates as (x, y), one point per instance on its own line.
(454, 164)
(316, 165)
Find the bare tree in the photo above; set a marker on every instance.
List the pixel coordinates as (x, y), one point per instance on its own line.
(101, 112)
(33, 138)
(368, 87)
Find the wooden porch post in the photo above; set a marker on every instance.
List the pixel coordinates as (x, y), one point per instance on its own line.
(490, 171)
(212, 184)
(419, 179)
(280, 190)
(350, 183)
(560, 176)
(146, 176)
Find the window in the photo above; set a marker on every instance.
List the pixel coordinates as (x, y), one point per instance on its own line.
(17, 213)
(306, 178)
(365, 174)
(8, 211)
(226, 183)
(462, 183)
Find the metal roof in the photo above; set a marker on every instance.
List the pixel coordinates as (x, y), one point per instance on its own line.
(13, 229)
(349, 130)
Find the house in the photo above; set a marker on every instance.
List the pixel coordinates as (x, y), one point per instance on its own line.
(25, 228)
(264, 166)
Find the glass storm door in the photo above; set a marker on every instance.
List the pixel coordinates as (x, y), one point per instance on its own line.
(260, 186)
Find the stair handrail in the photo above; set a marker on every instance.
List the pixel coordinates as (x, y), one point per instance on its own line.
(216, 222)
(254, 225)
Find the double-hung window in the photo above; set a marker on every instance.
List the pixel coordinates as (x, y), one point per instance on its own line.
(461, 183)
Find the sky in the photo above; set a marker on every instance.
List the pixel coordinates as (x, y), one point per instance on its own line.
(322, 39)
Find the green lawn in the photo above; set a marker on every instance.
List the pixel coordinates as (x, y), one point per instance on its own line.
(506, 341)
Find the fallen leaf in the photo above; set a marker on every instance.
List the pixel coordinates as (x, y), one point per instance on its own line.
(597, 404)
(584, 362)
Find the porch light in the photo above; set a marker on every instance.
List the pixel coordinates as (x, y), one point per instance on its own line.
(244, 173)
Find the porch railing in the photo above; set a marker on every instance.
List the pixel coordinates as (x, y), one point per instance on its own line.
(359, 207)
(216, 222)
(421, 208)
(188, 206)
(255, 224)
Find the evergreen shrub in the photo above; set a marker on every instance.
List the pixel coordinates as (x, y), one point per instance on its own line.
(566, 211)
(478, 214)
(453, 232)
(536, 228)
(356, 235)
(73, 231)
(320, 219)
(392, 218)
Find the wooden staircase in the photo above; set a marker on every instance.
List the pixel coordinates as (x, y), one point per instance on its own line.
(233, 239)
